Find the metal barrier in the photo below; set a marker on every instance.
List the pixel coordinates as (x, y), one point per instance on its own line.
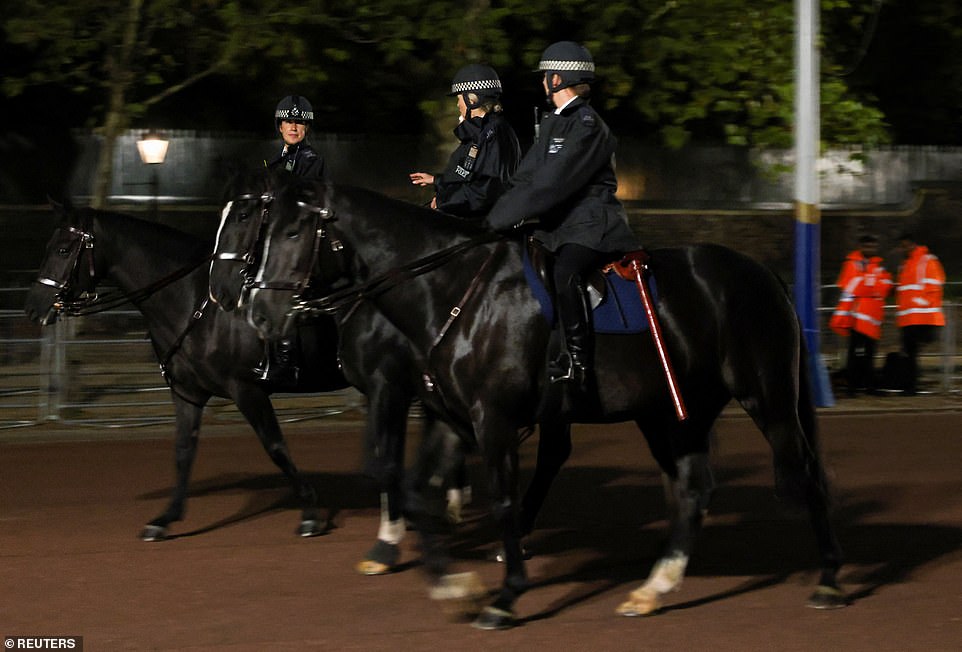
(100, 370)
(939, 363)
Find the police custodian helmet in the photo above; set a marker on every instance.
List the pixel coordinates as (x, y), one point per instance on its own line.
(569, 60)
(294, 108)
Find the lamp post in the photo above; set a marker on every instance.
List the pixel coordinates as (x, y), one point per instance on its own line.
(153, 149)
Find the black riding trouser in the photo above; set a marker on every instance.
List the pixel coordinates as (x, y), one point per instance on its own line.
(572, 264)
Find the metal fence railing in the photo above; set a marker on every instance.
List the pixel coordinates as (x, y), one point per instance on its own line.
(100, 370)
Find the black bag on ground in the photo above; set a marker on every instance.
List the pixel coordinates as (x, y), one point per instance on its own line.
(895, 371)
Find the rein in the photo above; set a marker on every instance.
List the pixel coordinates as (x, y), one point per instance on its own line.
(117, 298)
(393, 277)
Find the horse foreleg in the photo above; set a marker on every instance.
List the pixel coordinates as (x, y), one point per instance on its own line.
(554, 448)
(688, 494)
(504, 485)
(257, 408)
(459, 493)
(386, 432)
(187, 423)
(439, 455)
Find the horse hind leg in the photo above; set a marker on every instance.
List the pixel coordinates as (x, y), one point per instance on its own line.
(688, 495)
(788, 422)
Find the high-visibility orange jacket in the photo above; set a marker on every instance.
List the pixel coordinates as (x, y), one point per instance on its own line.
(865, 283)
(919, 294)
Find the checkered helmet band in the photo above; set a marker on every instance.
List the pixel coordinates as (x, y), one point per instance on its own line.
(556, 65)
(478, 85)
(294, 108)
(294, 113)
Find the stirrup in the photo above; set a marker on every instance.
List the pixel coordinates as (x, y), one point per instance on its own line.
(558, 373)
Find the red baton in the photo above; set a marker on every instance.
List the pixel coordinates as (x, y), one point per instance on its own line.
(680, 410)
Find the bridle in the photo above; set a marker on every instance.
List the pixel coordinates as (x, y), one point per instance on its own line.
(304, 274)
(81, 242)
(88, 303)
(248, 249)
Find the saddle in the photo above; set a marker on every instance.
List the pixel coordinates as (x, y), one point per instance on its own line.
(613, 295)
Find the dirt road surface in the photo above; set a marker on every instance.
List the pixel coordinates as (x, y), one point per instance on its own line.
(235, 577)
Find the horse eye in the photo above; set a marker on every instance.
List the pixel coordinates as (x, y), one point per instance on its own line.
(63, 251)
(242, 217)
(293, 235)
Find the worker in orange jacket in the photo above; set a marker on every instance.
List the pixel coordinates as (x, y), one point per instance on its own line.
(919, 302)
(865, 283)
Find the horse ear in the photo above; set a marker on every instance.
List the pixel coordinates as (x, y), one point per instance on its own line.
(64, 210)
(61, 209)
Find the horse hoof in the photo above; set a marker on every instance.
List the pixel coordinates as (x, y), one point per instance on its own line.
(492, 618)
(153, 533)
(380, 559)
(371, 567)
(498, 555)
(827, 597)
(640, 603)
(460, 595)
(311, 528)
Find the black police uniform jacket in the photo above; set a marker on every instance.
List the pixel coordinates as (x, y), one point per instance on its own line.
(300, 160)
(478, 171)
(566, 182)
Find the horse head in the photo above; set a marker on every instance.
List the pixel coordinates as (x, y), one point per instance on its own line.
(239, 238)
(68, 271)
(299, 254)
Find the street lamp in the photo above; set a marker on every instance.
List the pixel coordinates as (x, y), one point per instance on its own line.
(153, 149)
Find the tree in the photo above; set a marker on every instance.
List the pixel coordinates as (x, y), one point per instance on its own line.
(128, 55)
(676, 71)
(715, 70)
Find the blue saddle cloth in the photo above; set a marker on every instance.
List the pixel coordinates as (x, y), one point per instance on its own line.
(620, 311)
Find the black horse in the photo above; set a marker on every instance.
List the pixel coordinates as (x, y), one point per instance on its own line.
(204, 352)
(374, 356)
(460, 296)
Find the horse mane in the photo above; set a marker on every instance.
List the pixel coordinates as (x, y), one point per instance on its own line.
(440, 222)
(173, 244)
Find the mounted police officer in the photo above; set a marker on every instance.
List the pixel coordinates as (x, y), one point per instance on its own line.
(478, 170)
(293, 118)
(565, 186)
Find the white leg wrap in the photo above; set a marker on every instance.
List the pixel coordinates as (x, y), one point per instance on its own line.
(667, 574)
(390, 531)
(455, 497)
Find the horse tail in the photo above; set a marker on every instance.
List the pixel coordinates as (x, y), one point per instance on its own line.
(808, 418)
(792, 425)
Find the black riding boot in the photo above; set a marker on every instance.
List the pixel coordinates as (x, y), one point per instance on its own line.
(574, 363)
(279, 366)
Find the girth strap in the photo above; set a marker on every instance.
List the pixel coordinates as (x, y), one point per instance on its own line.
(455, 312)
